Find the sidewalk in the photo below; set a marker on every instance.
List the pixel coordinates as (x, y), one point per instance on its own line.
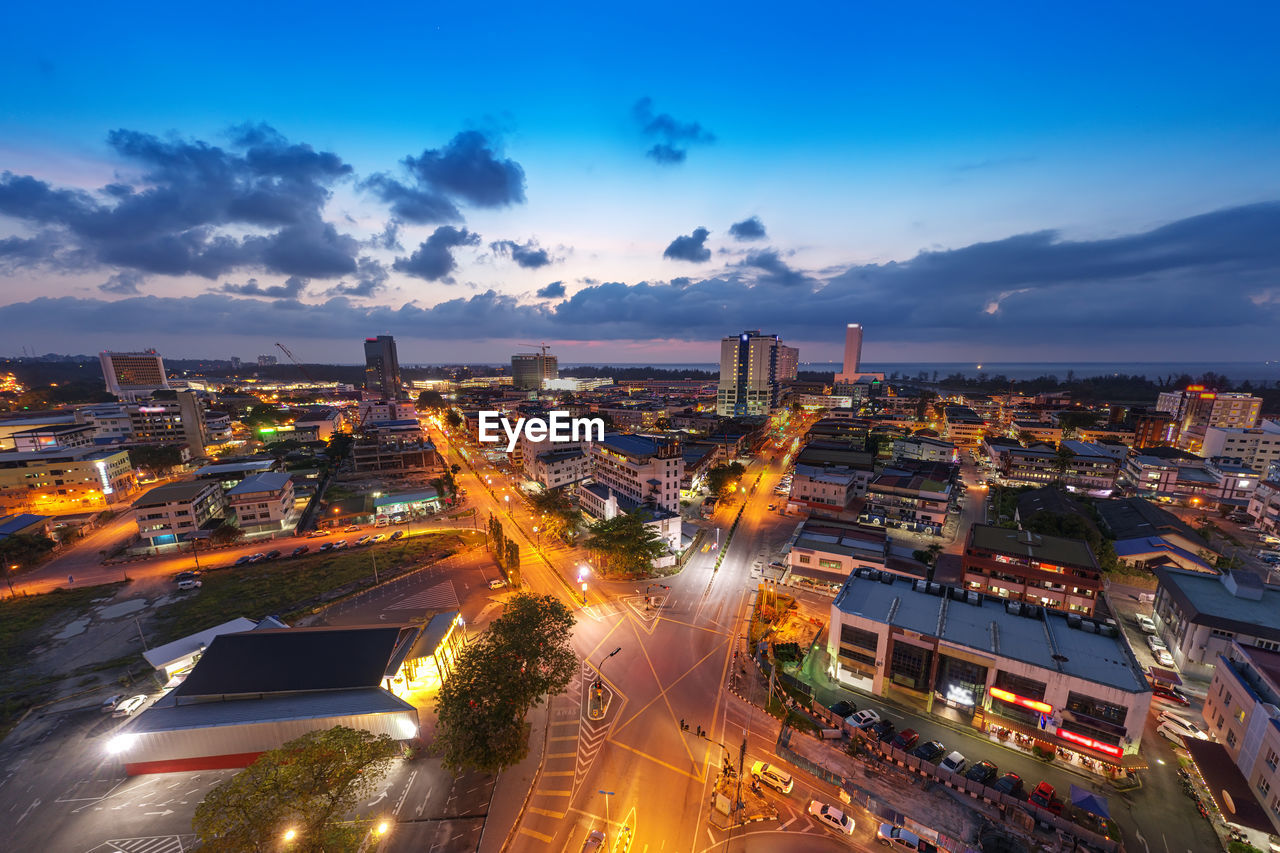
(514, 787)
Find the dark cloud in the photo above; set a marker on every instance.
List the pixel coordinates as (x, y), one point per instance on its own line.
(748, 229)
(528, 255)
(433, 259)
(771, 269)
(469, 170)
(187, 209)
(690, 247)
(292, 288)
(388, 238)
(371, 277)
(672, 137)
(17, 252)
(123, 283)
(554, 290)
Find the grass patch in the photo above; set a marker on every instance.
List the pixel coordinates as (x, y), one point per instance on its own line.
(291, 588)
(22, 618)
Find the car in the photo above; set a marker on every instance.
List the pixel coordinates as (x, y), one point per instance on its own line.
(257, 558)
(1155, 644)
(376, 538)
(982, 772)
(954, 763)
(1170, 693)
(895, 836)
(930, 751)
(883, 730)
(774, 777)
(1145, 623)
(831, 817)
(316, 534)
(1163, 657)
(340, 545)
(272, 555)
(327, 546)
(299, 551)
(394, 536)
(862, 719)
(243, 561)
(382, 521)
(1179, 730)
(189, 583)
(594, 842)
(843, 708)
(355, 528)
(363, 539)
(129, 705)
(497, 583)
(184, 576)
(109, 704)
(905, 739)
(1009, 783)
(1046, 798)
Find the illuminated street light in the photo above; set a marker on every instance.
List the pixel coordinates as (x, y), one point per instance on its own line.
(382, 828)
(290, 834)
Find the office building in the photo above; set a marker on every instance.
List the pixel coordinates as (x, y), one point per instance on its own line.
(1197, 483)
(263, 502)
(919, 448)
(62, 480)
(1197, 408)
(826, 490)
(852, 354)
(172, 513)
(910, 497)
(1057, 681)
(130, 375)
(529, 370)
(1198, 615)
(642, 469)
(748, 382)
(267, 361)
(788, 363)
(382, 369)
(964, 427)
(1018, 565)
(1257, 448)
(1090, 467)
(396, 449)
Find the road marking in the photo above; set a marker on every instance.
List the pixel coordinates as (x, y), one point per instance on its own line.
(553, 793)
(558, 772)
(545, 839)
(788, 823)
(562, 754)
(28, 811)
(562, 737)
(545, 812)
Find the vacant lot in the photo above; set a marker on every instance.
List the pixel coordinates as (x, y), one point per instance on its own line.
(291, 588)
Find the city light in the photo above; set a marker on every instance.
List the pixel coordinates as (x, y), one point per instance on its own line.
(121, 743)
(1033, 704)
(290, 834)
(383, 826)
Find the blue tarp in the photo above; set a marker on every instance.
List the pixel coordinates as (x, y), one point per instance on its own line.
(1089, 801)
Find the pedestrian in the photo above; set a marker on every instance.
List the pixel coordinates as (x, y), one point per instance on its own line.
(683, 727)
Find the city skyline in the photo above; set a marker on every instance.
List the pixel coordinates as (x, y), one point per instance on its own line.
(965, 185)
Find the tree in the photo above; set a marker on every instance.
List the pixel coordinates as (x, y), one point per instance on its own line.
(928, 556)
(453, 419)
(722, 476)
(525, 655)
(309, 784)
(24, 550)
(226, 534)
(625, 544)
(157, 458)
(1062, 460)
(513, 562)
(430, 400)
(1026, 438)
(559, 516)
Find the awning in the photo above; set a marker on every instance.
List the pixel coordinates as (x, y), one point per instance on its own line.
(1168, 676)
(1229, 789)
(1089, 801)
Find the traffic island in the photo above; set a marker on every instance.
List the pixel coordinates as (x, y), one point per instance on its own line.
(754, 805)
(598, 696)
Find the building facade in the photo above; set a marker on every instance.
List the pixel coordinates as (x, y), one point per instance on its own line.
(641, 469)
(396, 449)
(172, 513)
(748, 382)
(1199, 615)
(130, 375)
(382, 369)
(71, 480)
(1018, 565)
(850, 369)
(530, 369)
(1257, 448)
(263, 502)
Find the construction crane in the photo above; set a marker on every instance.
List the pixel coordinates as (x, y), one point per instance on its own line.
(543, 347)
(284, 349)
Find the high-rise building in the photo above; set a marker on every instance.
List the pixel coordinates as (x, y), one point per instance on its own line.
(235, 362)
(788, 363)
(1197, 408)
(130, 375)
(267, 360)
(852, 354)
(530, 369)
(382, 369)
(748, 374)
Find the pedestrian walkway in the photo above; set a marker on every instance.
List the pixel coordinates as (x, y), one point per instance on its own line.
(442, 596)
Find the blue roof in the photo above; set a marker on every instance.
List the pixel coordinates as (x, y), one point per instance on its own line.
(631, 445)
(271, 481)
(11, 524)
(1133, 547)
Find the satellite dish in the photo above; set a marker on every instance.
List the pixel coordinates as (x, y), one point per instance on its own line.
(1228, 802)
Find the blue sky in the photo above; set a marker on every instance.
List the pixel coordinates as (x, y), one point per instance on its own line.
(1005, 182)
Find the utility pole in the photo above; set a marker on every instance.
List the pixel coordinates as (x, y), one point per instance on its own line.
(374, 556)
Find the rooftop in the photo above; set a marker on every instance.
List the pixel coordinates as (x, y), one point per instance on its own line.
(1037, 546)
(1206, 600)
(271, 481)
(168, 715)
(253, 466)
(173, 493)
(1045, 639)
(11, 524)
(1134, 518)
(635, 446)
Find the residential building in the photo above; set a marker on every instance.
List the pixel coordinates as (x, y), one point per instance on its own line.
(1204, 484)
(65, 480)
(851, 368)
(911, 497)
(530, 369)
(381, 411)
(1199, 615)
(963, 426)
(748, 382)
(1007, 668)
(1264, 506)
(559, 467)
(788, 363)
(172, 513)
(130, 375)
(641, 469)
(1152, 428)
(1257, 448)
(1089, 467)
(263, 502)
(827, 490)
(396, 449)
(919, 448)
(1018, 565)
(382, 369)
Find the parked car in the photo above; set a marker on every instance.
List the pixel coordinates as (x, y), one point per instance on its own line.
(831, 817)
(1170, 693)
(901, 839)
(355, 528)
(842, 709)
(1145, 623)
(375, 539)
(258, 557)
(327, 546)
(299, 551)
(594, 842)
(108, 705)
(1009, 783)
(883, 730)
(316, 534)
(1046, 798)
(363, 539)
(272, 554)
(184, 576)
(246, 560)
(774, 777)
(930, 751)
(862, 719)
(1179, 730)
(382, 521)
(398, 534)
(189, 583)
(1163, 657)
(905, 739)
(340, 545)
(982, 772)
(1155, 644)
(129, 705)
(497, 583)
(954, 763)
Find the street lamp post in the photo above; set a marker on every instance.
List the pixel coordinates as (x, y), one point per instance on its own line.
(599, 677)
(8, 576)
(607, 795)
(537, 540)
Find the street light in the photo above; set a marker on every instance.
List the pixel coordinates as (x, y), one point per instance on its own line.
(607, 795)
(8, 576)
(537, 539)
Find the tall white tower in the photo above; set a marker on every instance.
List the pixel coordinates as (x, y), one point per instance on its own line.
(852, 353)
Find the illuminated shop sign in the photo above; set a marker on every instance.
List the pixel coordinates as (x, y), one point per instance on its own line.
(959, 695)
(1109, 749)
(1014, 698)
(151, 408)
(102, 476)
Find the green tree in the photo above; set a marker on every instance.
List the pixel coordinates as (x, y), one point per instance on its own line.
(513, 562)
(722, 476)
(430, 400)
(226, 534)
(156, 458)
(24, 549)
(453, 419)
(1026, 438)
(625, 544)
(928, 556)
(309, 784)
(524, 656)
(559, 517)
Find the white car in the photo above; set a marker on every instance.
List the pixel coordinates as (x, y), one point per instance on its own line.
(831, 817)
(1145, 623)
(1155, 643)
(896, 836)
(772, 776)
(862, 719)
(1163, 657)
(129, 705)
(1179, 730)
(497, 583)
(955, 763)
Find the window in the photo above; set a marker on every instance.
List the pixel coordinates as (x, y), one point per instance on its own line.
(804, 558)
(1231, 738)
(1264, 786)
(1272, 758)
(829, 564)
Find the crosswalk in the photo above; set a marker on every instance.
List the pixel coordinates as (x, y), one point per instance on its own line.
(147, 844)
(442, 596)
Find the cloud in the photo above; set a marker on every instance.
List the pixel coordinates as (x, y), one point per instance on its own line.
(469, 170)
(672, 137)
(433, 259)
(291, 289)
(554, 290)
(388, 238)
(123, 282)
(19, 252)
(528, 255)
(748, 229)
(189, 207)
(690, 247)
(773, 270)
(371, 277)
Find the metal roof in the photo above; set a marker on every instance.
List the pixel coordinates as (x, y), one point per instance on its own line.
(167, 715)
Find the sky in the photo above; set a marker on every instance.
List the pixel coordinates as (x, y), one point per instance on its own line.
(998, 182)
